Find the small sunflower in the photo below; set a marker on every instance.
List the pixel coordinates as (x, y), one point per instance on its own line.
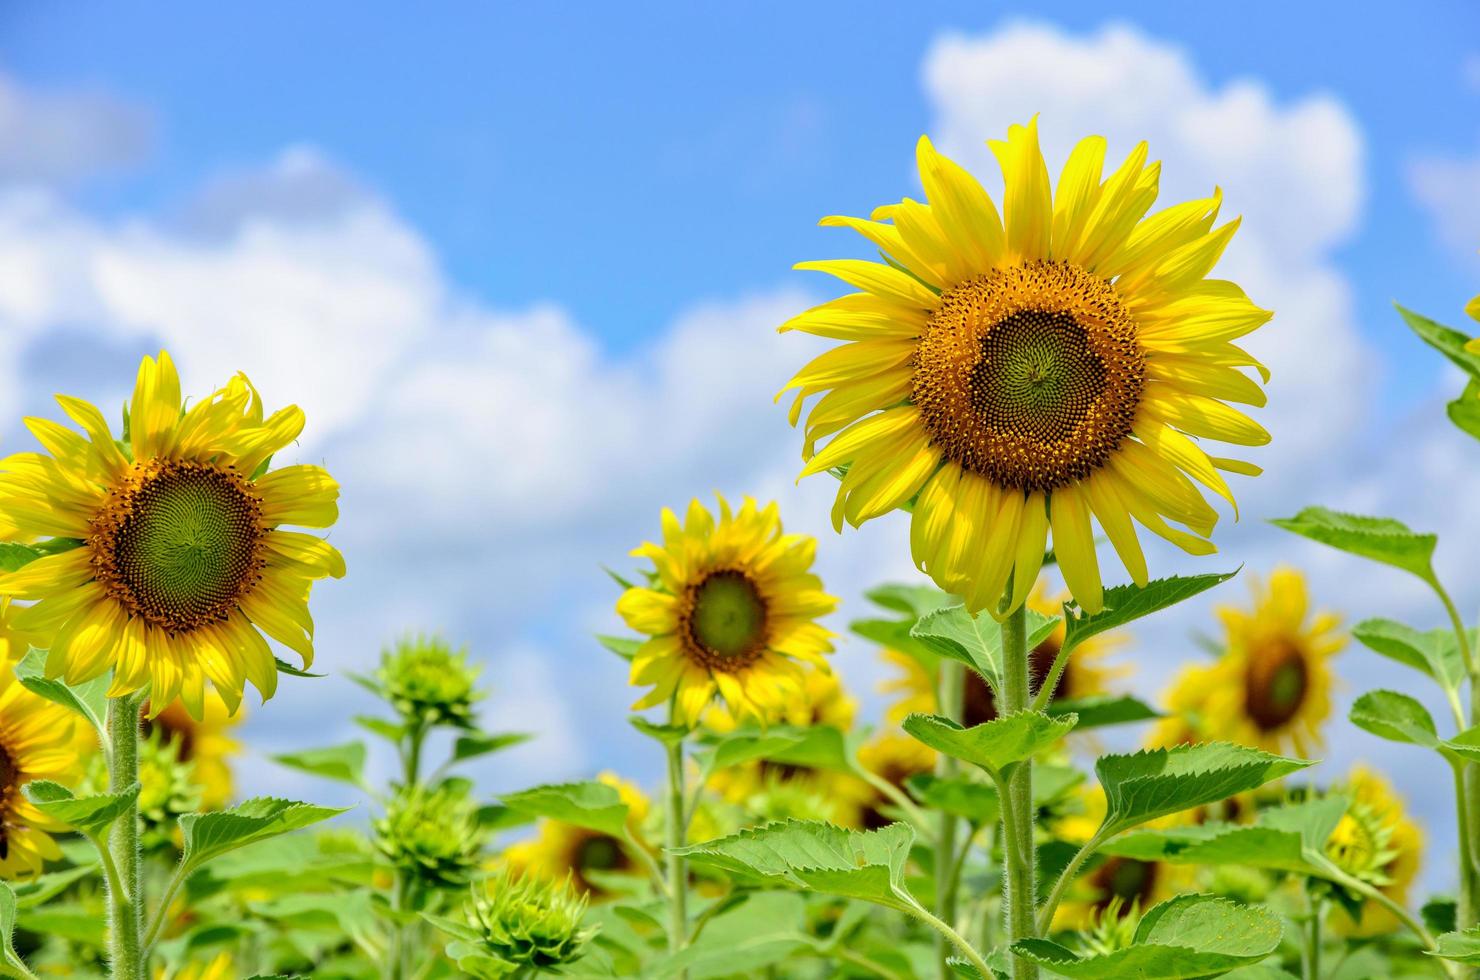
(1271, 688)
(728, 605)
(559, 849)
(1086, 673)
(1377, 842)
(36, 742)
(1025, 373)
(205, 744)
(180, 555)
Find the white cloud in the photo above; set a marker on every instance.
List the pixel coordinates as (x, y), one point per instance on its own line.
(1448, 189)
(58, 138)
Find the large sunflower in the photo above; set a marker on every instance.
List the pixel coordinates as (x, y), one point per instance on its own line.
(559, 849)
(1029, 372)
(1379, 843)
(36, 742)
(180, 556)
(205, 744)
(729, 602)
(1271, 688)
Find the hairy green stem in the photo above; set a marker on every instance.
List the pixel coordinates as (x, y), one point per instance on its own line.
(967, 950)
(678, 884)
(948, 702)
(1066, 877)
(125, 892)
(897, 796)
(1310, 953)
(1017, 845)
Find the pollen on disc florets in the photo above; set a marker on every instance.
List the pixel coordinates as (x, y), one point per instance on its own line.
(1029, 375)
(179, 543)
(722, 619)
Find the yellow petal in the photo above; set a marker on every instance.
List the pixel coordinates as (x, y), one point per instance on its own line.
(1074, 546)
(1027, 201)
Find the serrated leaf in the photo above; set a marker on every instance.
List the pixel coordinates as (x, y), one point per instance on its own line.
(1097, 711)
(476, 744)
(14, 964)
(625, 647)
(992, 745)
(345, 763)
(89, 699)
(209, 835)
(1464, 411)
(815, 856)
(975, 641)
(1461, 947)
(1395, 717)
(593, 805)
(1126, 603)
(959, 796)
(1154, 783)
(1379, 539)
(1190, 936)
(1446, 340)
(1434, 652)
(89, 814)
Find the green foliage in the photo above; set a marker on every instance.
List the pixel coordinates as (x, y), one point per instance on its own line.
(1433, 652)
(1464, 411)
(92, 815)
(593, 805)
(1099, 710)
(518, 922)
(1461, 947)
(433, 834)
(1446, 340)
(343, 763)
(975, 641)
(428, 682)
(1379, 539)
(1127, 603)
(994, 745)
(1395, 717)
(90, 699)
(8, 958)
(210, 835)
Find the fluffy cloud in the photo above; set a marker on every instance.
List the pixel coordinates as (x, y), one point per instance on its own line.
(1446, 188)
(61, 138)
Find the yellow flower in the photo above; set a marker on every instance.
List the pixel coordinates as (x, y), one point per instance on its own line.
(1378, 843)
(182, 557)
(1271, 688)
(822, 700)
(560, 848)
(1085, 674)
(14, 643)
(728, 604)
(220, 968)
(1473, 308)
(1025, 373)
(894, 757)
(36, 742)
(206, 744)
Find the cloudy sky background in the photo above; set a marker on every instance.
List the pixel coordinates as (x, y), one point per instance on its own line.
(522, 268)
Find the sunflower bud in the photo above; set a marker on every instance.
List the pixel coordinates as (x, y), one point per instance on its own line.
(529, 921)
(167, 789)
(427, 682)
(433, 834)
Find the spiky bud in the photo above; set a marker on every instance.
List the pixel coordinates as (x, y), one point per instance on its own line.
(433, 834)
(427, 682)
(529, 921)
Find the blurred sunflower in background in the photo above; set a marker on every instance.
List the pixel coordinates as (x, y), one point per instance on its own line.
(1377, 842)
(36, 742)
(205, 745)
(894, 757)
(730, 608)
(559, 849)
(1271, 687)
(1021, 375)
(180, 557)
(219, 968)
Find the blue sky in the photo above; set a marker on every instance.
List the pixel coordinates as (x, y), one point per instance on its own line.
(521, 264)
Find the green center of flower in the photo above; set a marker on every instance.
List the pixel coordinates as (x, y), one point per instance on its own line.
(1275, 684)
(178, 544)
(726, 619)
(1037, 375)
(600, 853)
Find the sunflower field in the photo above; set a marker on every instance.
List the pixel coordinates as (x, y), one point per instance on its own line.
(1042, 382)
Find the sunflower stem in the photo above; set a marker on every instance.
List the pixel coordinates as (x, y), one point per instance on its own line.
(948, 701)
(1019, 853)
(678, 884)
(1310, 953)
(125, 887)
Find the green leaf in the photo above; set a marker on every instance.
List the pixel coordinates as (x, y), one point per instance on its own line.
(623, 646)
(286, 668)
(894, 634)
(388, 730)
(89, 699)
(475, 744)
(812, 747)
(760, 930)
(14, 556)
(1125, 603)
(209, 835)
(666, 734)
(975, 641)
(1435, 652)
(1445, 340)
(959, 796)
(1379, 539)
(593, 805)
(814, 856)
(13, 963)
(1466, 744)
(1099, 710)
(1464, 411)
(1395, 717)
(1190, 936)
(89, 814)
(345, 763)
(1157, 782)
(1461, 947)
(992, 745)
(912, 600)
(38, 890)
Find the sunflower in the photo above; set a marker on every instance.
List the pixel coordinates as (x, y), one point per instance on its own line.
(894, 757)
(180, 558)
(1377, 842)
(1025, 373)
(205, 744)
(36, 742)
(1271, 688)
(1084, 675)
(559, 849)
(14, 643)
(727, 605)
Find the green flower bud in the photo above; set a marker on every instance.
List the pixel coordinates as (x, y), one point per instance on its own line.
(167, 790)
(433, 835)
(528, 921)
(427, 682)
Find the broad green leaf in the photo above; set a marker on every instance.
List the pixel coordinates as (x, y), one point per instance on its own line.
(1125, 603)
(345, 763)
(957, 795)
(349, 914)
(1190, 936)
(1395, 717)
(388, 730)
(14, 556)
(1099, 710)
(993, 745)
(760, 930)
(90, 699)
(894, 634)
(814, 856)
(209, 835)
(912, 600)
(1379, 539)
(667, 734)
(975, 641)
(76, 921)
(1461, 947)
(623, 646)
(1464, 411)
(38, 890)
(475, 744)
(1435, 652)
(812, 747)
(1466, 744)
(1446, 340)
(1157, 782)
(593, 805)
(89, 814)
(13, 963)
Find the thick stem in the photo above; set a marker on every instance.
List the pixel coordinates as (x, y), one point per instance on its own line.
(125, 892)
(1310, 953)
(678, 876)
(952, 688)
(1464, 912)
(1017, 845)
